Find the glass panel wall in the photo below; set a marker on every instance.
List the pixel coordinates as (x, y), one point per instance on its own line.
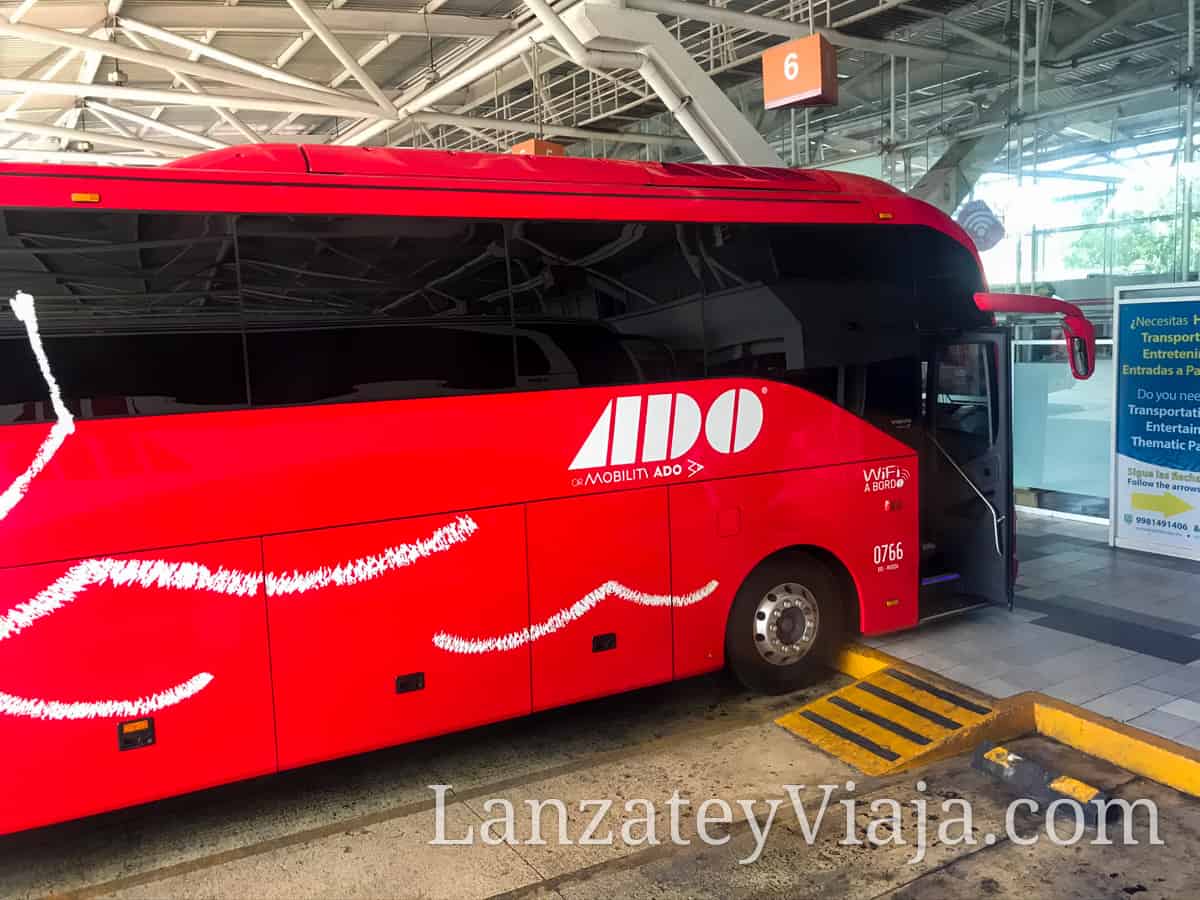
(1061, 429)
(1085, 208)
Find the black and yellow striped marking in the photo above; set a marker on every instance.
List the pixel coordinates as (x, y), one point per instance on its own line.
(887, 720)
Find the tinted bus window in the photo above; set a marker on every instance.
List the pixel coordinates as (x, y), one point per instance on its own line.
(633, 280)
(945, 279)
(378, 363)
(346, 308)
(966, 416)
(575, 354)
(139, 313)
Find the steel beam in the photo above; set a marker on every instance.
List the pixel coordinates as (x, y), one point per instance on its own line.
(270, 20)
(700, 106)
(70, 134)
(225, 115)
(179, 98)
(771, 25)
(1098, 30)
(199, 48)
(953, 27)
(89, 159)
(1089, 12)
(481, 122)
(113, 123)
(92, 46)
(22, 9)
(334, 46)
(147, 122)
(88, 70)
(64, 59)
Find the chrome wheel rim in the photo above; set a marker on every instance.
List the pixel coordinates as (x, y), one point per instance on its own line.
(786, 622)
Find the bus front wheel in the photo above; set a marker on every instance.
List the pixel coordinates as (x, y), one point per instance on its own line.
(786, 623)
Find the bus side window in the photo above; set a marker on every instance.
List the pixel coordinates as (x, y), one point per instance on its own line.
(350, 308)
(139, 313)
(615, 301)
(965, 418)
(893, 392)
(377, 363)
(656, 361)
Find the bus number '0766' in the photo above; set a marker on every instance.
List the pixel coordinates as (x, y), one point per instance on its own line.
(887, 553)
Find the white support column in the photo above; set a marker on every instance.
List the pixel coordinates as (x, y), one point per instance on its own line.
(712, 149)
(613, 27)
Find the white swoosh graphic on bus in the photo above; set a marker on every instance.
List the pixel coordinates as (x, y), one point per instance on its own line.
(32, 708)
(188, 576)
(64, 425)
(452, 643)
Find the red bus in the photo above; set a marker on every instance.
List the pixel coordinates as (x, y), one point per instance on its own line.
(313, 450)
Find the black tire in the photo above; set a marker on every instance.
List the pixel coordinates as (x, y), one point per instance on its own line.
(806, 577)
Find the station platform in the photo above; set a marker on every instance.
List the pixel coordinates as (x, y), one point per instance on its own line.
(1113, 631)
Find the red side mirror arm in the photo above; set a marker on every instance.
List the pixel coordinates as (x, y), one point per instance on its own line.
(1079, 332)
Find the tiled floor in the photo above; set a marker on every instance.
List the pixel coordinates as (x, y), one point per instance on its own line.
(1114, 631)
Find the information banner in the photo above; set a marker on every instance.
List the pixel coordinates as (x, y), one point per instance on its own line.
(1156, 421)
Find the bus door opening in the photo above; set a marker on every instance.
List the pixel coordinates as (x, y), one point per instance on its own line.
(966, 474)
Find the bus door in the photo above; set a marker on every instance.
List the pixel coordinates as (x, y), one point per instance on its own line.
(966, 474)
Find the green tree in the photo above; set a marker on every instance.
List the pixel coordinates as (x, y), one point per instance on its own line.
(1138, 247)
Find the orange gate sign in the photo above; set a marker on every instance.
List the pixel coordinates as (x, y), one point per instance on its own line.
(802, 72)
(538, 147)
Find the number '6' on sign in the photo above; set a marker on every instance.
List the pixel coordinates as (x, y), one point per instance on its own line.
(800, 72)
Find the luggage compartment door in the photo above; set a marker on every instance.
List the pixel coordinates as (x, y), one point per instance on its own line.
(395, 631)
(129, 678)
(599, 591)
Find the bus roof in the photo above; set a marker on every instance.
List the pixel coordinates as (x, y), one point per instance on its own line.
(317, 164)
(322, 159)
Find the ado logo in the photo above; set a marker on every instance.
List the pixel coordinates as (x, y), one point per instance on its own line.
(670, 428)
(884, 478)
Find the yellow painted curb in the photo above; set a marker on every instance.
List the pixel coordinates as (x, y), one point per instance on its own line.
(1123, 745)
(1133, 749)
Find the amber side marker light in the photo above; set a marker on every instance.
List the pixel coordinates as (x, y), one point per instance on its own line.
(886, 215)
(84, 197)
(135, 733)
